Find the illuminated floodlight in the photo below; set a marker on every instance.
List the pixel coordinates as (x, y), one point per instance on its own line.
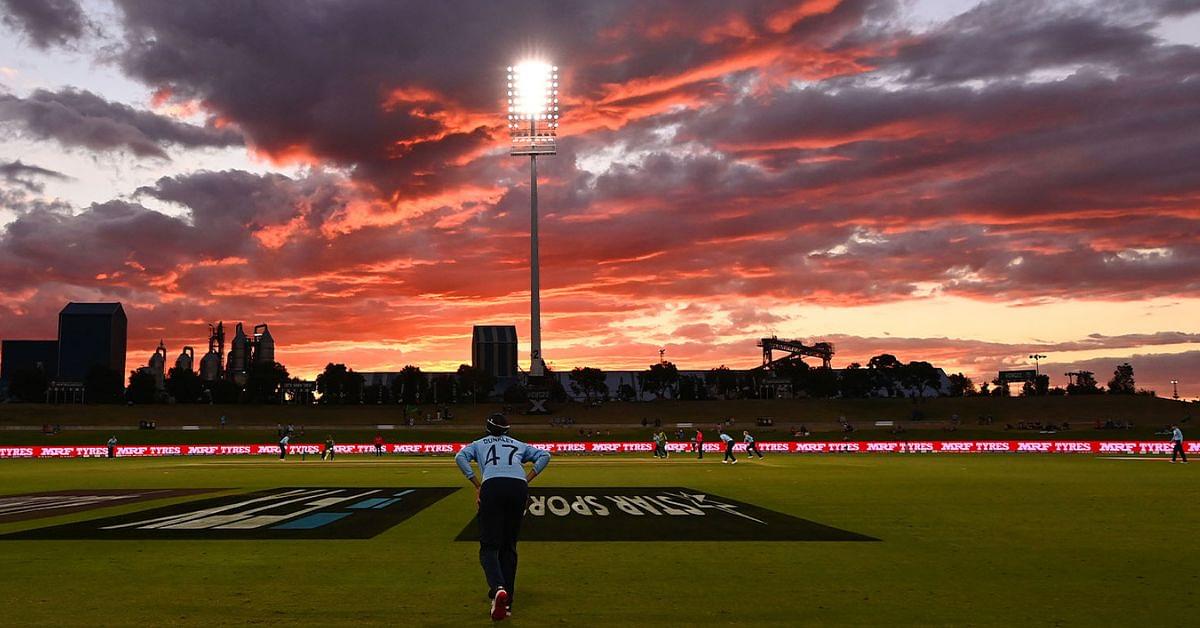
(533, 107)
(532, 97)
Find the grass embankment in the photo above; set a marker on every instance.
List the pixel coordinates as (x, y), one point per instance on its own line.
(618, 421)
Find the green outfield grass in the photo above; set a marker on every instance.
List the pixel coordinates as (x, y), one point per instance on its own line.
(966, 540)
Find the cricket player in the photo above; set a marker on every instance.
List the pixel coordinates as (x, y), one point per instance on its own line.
(112, 447)
(728, 440)
(283, 443)
(751, 446)
(1177, 440)
(329, 448)
(662, 444)
(502, 495)
(699, 445)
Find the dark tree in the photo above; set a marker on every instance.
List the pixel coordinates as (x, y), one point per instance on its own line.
(885, 371)
(184, 385)
(692, 388)
(625, 392)
(818, 382)
(884, 361)
(659, 379)
(28, 384)
(961, 385)
(590, 382)
(103, 385)
(855, 381)
(475, 384)
(376, 394)
(338, 384)
(410, 387)
(1084, 384)
(224, 391)
(1041, 385)
(917, 376)
(264, 382)
(142, 387)
(1122, 380)
(723, 382)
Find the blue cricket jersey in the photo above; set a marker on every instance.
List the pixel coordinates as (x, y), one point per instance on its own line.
(500, 457)
(1177, 435)
(726, 437)
(749, 439)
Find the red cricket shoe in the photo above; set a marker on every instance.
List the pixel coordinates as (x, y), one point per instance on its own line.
(499, 605)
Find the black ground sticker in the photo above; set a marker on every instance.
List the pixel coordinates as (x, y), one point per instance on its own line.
(279, 513)
(657, 514)
(54, 503)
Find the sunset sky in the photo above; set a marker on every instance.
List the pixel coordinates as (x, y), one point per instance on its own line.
(954, 181)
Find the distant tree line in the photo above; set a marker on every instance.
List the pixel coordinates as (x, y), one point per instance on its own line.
(883, 376)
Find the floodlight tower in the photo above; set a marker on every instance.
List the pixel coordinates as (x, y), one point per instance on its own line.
(532, 124)
(1037, 362)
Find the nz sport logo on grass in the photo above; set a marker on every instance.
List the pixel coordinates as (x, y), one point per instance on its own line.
(657, 514)
(280, 513)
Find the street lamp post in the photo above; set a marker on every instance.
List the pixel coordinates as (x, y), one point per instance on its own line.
(532, 125)
(1175, 386)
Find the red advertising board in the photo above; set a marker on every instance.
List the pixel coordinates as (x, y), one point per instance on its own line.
(815, 447)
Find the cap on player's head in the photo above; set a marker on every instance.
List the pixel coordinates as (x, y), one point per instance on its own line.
(497, 424)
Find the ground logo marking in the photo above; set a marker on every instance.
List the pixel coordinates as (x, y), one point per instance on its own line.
(51, 504)
(657, 514)
(279, 513)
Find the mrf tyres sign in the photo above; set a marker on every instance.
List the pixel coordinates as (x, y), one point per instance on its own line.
(657, 514)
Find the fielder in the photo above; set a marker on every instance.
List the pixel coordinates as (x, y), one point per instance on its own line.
(502, 495)
(751, 446)
(1177, 441)
(728, 440)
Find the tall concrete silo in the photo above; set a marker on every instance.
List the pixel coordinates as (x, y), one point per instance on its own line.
(239, 356)
(157, 365)
(264, 345)
(186, 359)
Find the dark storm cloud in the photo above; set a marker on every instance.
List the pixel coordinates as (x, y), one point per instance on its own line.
(1163, 7)
(46, 22)
(27, 175)
(81, 118)
(288, 74)
(1013, 37)
(47, 246)
(713, 152)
